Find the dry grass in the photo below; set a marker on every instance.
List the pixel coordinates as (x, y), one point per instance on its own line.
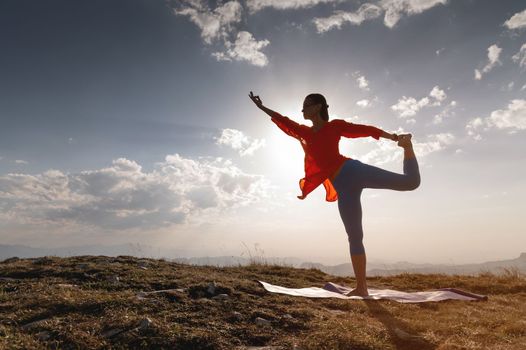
(80, 304)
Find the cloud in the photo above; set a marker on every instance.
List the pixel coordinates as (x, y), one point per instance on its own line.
(363, 103)
(493, 60)
(512, 118)
(20, 161)
(245, 48)
(214, 24)
(409, 106)
(393, 11)
(218, 27)
(124, 196)
(363, 83)
(365, 12)
(256, 5)
(438, 94)
(446, 112)
(435, 143)
(239, 141)
(389, 151)
(517, 21)
(520, 56)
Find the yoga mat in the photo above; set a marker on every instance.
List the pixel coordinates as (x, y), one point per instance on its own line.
(333, 290)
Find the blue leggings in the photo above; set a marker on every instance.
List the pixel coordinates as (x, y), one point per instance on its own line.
(355, 176)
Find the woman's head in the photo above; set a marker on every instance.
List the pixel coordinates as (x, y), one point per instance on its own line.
(315, 104)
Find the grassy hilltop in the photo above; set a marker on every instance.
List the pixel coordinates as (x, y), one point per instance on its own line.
(92, 302)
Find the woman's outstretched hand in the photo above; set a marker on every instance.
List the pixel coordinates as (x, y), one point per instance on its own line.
(255, 99)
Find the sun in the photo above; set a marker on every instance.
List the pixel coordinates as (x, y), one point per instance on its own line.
(285, 154)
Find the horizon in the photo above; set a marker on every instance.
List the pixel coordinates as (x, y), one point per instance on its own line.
(130, 121)
(327, 261)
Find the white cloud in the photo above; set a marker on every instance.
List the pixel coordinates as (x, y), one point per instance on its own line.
(517, 21)
(239, 141)
(393, 11)
(214, 24)
(439, 51)
(124, 196)
(438, 94)
(20, 161)
(363, 83)
(435, 143)
(473, 127)
(390, 151)
(256, 5)
(409, 106)
(512, 118)
(520, 56)
(365, 12)
(245, 48)
(493, 60)
(217, 26)
(363, 103)
(446, 112)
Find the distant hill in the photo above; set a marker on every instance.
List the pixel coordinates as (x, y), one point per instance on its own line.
(397, 268)
(176, 255)
(139, 250)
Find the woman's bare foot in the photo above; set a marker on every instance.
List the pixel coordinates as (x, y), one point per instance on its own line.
(358, 292)
(404, 140)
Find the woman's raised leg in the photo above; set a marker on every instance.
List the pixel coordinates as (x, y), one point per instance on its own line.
(374, 177)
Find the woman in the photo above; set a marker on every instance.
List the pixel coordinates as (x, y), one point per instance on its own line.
(343, 178)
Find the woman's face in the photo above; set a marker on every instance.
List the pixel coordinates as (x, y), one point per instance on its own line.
(310, 109)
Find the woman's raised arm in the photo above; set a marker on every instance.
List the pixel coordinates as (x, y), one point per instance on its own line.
(259, 104)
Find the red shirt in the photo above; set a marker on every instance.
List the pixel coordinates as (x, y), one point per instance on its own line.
(322, 156)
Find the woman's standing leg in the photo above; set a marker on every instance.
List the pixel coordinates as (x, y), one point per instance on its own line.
(350, 207)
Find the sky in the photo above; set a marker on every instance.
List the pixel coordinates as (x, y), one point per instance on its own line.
(130, 121)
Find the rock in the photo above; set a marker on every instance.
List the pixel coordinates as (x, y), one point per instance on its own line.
(237, 315)
(143, 265)
(34, 323)
(288, 316)
(144, 323)
(112, 332)
(8, 279)
(88, 276)
(260, 321)
(211, 289)
(44, 335)
(113, 278)
(221, 297)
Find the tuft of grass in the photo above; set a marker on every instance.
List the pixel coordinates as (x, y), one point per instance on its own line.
(93, 302)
